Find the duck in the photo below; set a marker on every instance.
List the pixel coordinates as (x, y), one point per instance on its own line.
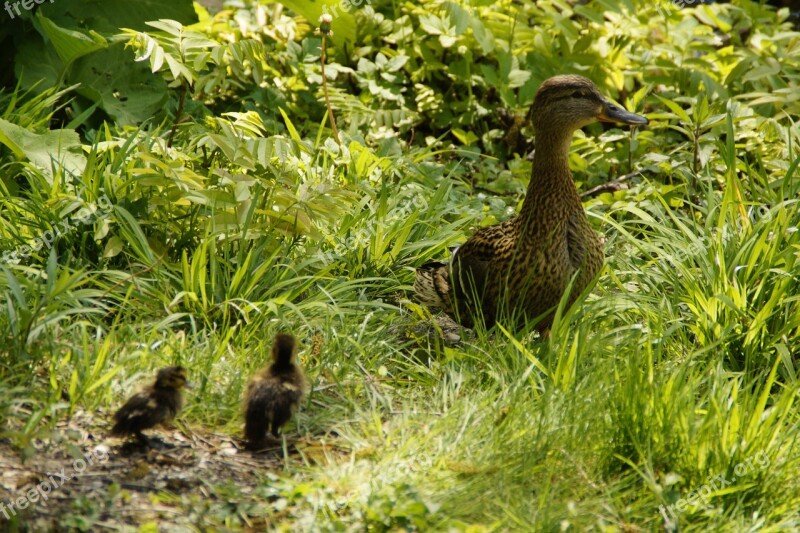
(273, 394)
(153, 405)
(519, 269)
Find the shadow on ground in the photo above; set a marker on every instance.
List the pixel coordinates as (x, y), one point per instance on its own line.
(80, 479)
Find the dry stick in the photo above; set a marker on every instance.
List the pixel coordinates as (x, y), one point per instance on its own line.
(178, 114)
(327, 98)
(611, 186)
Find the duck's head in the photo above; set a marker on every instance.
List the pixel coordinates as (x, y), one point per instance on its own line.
(283, 348)
(568, 102)
(172, 377)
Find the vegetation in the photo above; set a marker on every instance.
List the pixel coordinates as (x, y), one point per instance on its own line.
(664, 400)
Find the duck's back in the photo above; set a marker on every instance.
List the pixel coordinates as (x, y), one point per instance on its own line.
(503, 271)
(271, 401)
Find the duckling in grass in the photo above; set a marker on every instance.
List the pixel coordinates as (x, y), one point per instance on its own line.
(274, 393)
(156, 404)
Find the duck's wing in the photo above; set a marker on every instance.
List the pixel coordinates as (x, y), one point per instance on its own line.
(472, 264)
(471, 276)
(432, 285)
(140, 412)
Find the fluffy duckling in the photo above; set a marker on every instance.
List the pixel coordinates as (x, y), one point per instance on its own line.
(156, 404)
(274, 393)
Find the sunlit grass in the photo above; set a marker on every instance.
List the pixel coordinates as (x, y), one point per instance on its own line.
(679, 367)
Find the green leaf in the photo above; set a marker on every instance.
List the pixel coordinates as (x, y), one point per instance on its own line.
(483, 35)
(126, 90)
(289, 126)
(432, 24)
(344, 23)
(49, 151)
(466, 137)
(517, 78)
(71, 44)
(458, 16)
(107, 17)
(113, 247)
(675, 108)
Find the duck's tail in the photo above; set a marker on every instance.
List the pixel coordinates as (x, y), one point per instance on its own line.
(432, 286)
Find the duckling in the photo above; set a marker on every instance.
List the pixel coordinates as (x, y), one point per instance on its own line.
(156, 404)
(274, 393)
(521, 268)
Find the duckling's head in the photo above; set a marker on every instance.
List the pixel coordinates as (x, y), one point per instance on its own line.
(172, 377)
(283, 349)
(568, 102)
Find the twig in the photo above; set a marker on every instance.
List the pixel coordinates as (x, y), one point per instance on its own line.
(325, 29)
(181, 102)
(610, 186)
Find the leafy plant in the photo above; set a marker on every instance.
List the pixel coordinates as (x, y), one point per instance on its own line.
(214, 207)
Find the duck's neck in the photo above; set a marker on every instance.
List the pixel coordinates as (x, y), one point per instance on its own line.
(282, 365)
(551, 197)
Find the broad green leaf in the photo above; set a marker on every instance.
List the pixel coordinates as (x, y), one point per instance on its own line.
(113, 247)
(126, 90)
(71, 44)
(49, 151)
(466, 137)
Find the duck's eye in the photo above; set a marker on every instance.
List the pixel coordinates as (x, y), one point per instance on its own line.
(580, 93)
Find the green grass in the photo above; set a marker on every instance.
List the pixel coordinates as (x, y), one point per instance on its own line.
(678, 370)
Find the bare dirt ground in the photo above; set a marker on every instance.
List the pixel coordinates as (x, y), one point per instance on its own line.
(80, 479)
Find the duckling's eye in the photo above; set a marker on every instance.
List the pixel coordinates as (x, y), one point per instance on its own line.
(580, 93)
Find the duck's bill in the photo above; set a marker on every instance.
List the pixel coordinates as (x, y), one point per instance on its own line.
(614, 113)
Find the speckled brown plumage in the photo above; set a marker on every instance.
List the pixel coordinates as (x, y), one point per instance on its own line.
(156, 404)
(521, 268)
(273, 394)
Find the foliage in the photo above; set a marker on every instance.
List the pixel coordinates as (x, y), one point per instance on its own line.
(214, 209)
(70, 43)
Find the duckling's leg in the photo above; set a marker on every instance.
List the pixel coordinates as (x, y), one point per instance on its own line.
(152, 442)
(266, 443)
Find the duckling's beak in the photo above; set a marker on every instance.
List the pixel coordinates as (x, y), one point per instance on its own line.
(614, 113)
(188, 385)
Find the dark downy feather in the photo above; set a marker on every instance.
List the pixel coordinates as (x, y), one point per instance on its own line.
(274, 394)
(156, 404)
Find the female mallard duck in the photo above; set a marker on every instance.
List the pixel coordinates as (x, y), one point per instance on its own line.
(273, 394)
(521, 268)
(156, 404)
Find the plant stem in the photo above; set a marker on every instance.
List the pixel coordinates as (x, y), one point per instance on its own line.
(178, 115)
(327, 98)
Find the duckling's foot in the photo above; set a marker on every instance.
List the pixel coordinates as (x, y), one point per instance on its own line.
(452, 334)
(157, 443)
(264, 445)
(137, 444)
